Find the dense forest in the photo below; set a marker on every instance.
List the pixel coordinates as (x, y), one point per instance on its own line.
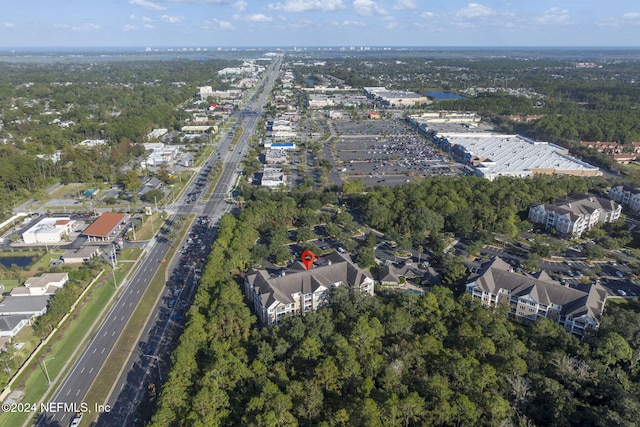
(464, 205)
(396, 359)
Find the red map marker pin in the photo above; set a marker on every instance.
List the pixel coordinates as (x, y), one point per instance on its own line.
(307, 258)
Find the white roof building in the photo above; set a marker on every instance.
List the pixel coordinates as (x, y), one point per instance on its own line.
(49, 230)
(272, 177)
(513, 155)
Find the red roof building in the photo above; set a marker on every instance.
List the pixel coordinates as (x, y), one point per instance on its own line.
(105, 227)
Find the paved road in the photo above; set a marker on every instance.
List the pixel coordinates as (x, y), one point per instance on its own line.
(77, 383)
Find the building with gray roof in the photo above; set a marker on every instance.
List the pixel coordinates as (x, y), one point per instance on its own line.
(11, 325)
(531, 297)
(576, 214)
(297, 290)
(31, 306)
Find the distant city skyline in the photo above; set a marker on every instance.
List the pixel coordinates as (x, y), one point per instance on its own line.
(174, 23)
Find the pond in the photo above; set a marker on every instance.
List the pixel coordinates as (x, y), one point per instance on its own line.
(443, 95)
(19, 261)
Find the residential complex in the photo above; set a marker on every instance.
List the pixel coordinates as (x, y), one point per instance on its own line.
(576, 214)
(532, 297)
(626, 196)
(298, 290)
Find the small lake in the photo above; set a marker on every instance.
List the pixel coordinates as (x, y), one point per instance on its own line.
(19, 261)
(443, 95)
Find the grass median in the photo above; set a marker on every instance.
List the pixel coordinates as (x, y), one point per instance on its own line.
(127, 343)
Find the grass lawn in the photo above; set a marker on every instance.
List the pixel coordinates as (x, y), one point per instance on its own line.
(9, 284)
(150, 226)
(618, 301)
(63, 190)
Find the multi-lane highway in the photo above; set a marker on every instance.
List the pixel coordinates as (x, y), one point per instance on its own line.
(78, 381)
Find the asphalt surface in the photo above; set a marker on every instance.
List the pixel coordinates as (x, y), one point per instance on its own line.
(74, 387)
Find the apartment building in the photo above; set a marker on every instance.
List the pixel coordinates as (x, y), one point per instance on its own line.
(626, 196)
(531, 297)
(573, 216)
(298, 290)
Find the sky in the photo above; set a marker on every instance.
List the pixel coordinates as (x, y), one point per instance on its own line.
(301, 23)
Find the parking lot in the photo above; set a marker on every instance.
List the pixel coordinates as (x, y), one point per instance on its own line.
(386, 153)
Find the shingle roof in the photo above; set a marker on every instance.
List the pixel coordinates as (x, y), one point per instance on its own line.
(298, 279)
(495, 275)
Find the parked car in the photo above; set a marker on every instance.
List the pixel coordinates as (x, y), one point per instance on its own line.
(619, 273)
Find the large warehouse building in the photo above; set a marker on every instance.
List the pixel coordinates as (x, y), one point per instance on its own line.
(491, 155)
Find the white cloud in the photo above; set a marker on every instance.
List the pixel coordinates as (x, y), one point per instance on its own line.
(349, 23)
(149, 27)
(216, 24)
(629, 18)
(82, 28)
(240, 6)
(256, 17)
(475, 11)
(427, 15)
(147, 4)
(303, 24)
(129, 27)
(405, 4)
(392, 25)
(201, 1)
(7, 25)
(172, 19)
(140, 18)
(553, 16)
(307, 5)
(368, 8)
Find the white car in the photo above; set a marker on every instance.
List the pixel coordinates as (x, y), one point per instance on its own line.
(619, 273)
(75, 421)
(621, 292)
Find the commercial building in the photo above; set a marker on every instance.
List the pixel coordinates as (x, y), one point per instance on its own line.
(298, 290)
(105, 227)
(490, 156)
(395, 98)
(273, 177)
(49, 230)
(276, 157)
(159, 153)
(532, 297)
(576, 214)
(82, 255)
